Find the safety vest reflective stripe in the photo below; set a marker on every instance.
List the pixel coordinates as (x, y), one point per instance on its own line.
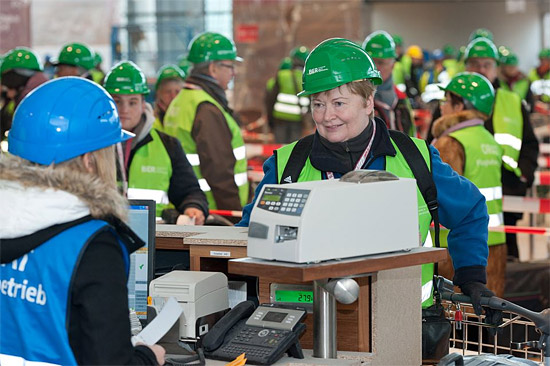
(8, 360)
(292, 99)
(287, 108)
(507, 139)
(204, 185)
(193, 159)
(510, 161)
(496, 219)
(238, 152)
(427, 290)
(148, 194)
(240, 179)
(491, 193)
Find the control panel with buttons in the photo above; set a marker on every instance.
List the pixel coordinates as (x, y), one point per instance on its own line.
(284, 200)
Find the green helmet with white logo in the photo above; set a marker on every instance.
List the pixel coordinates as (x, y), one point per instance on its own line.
(481, 48)
(475, 88)
(209, 46)
(511, 59)
(20, 58)
(77, 54)
(335, 62)
(380, 44)
(481, 33)
(126, 78)
(169, 72)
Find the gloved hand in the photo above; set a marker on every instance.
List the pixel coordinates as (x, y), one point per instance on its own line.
(476, 290)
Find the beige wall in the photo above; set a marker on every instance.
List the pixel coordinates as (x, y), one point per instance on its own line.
(283, 25)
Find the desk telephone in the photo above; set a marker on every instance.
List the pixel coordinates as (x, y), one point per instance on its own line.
(264, 334)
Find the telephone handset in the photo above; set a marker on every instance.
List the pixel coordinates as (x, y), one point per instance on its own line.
(264, 334)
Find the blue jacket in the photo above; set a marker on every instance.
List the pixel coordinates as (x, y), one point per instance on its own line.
(462, 207)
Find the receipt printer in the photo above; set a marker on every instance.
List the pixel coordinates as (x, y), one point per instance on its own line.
(202, 295)
(369, 212)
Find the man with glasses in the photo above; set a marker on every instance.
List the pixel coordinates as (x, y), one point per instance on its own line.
(511, 127)
(201, 119)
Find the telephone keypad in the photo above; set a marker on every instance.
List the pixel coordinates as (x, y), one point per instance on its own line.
(257, 343)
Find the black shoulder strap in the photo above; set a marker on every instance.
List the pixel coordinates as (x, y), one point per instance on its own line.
(422, 174)
(297, 160)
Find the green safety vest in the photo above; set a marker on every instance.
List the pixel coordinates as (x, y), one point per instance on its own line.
(534, 76)
(451, 65)
(520, 87)
(398, 73)
(157, 125)
(178, 122)
(508, 128)
(398, 166)
(483, 160)
(288, 106)
(150, 172)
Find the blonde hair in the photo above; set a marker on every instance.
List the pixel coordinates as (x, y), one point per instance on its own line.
(102, 161)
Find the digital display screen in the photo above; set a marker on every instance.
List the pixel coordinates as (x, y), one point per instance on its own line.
(305, 297)
(271, 197)
(274, 316)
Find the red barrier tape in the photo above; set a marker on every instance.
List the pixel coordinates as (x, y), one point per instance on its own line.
(525, 204)
(228, 213)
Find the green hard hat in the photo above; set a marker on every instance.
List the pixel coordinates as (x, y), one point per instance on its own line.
(169, 72)
(449, 50)
(544, 53)
(97, 59)
(300, 53)
(20, 58)
(286, 64)
(335, 62)
(126, 78)
(209, 46)
(511, 59)
(184, 64)
(481, 33)
(397, 39)
(475, 88)
(481, 47)
(77, 54)
(380, 44)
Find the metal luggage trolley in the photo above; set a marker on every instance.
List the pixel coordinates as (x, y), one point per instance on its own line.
(520, 328)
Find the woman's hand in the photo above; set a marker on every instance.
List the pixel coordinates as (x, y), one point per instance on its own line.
(196, 213)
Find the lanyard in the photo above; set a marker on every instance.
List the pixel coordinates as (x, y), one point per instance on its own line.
(363, 158)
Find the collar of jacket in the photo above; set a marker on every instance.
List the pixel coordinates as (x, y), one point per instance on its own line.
(444, 123)
(211, 86)
(326, 156)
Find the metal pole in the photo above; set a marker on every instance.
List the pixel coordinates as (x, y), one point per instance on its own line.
(324, 321)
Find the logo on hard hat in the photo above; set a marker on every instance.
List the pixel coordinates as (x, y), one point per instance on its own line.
(122, 78)
(315, 70)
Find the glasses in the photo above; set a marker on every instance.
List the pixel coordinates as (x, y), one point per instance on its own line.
(229, 66)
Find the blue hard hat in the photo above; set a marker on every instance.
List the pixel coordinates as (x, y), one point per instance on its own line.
(437, 54)
(62, 119)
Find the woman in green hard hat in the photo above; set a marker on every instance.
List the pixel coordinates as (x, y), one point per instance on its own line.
(154, 164)
(21, 72)
(340, 78)
(465, 144)
(170, 79)
(75, 59)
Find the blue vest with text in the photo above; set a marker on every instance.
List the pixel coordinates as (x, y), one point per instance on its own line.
(35, 296)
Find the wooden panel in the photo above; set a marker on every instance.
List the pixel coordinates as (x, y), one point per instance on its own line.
(353, 320)
(198, 252)
(332, 269)
(170, 243)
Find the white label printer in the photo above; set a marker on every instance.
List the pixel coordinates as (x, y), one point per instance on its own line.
(333, 219)
(202, 295)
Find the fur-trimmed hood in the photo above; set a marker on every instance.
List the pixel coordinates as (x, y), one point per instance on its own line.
(35, 197)
(444, 123)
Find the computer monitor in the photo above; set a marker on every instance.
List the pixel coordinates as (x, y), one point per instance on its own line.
(141, 219)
